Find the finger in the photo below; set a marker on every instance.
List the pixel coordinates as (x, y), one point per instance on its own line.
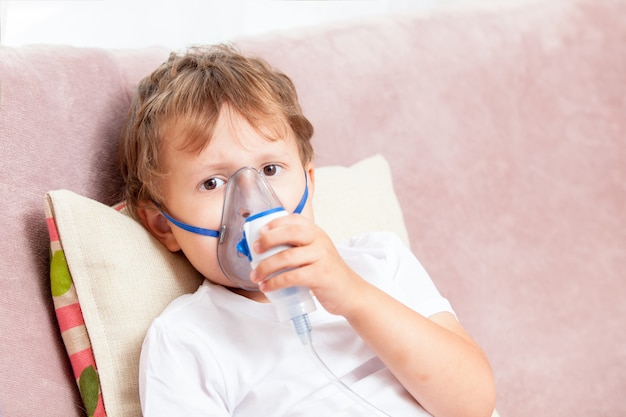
(284, 233)
(287, 278)
(294, 257)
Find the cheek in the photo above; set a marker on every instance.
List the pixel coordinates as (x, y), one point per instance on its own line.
(201, 251)
(199, 211)
(290, 196)
(289, 200)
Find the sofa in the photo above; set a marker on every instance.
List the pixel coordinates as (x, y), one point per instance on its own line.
(504, 130)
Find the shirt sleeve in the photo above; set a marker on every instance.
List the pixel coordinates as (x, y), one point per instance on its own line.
(384, 260)
(177, 377)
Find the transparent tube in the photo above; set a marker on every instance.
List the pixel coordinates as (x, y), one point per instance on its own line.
(349, 392)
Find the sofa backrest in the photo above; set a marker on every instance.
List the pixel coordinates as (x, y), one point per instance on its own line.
(505, 132)
(61, 109)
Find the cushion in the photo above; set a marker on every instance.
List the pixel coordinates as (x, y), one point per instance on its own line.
(110, 278)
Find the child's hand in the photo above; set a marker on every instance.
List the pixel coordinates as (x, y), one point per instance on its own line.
(312, 261)
(432, 357)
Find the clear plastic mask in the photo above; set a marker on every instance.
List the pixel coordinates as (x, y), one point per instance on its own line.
(249, 204)
(248, 196)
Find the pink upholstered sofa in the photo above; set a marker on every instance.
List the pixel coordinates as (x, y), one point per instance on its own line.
(505, 131)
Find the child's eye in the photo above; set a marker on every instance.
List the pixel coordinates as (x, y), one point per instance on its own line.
(271, 170)
(212, 184)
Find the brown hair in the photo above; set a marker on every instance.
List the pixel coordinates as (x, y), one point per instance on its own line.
(187, 92)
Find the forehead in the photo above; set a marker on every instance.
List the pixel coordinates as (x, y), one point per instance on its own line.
(232, 141)
(195, 132)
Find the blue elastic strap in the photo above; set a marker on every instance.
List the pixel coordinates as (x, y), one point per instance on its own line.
(215, 233)
(190, 228)
(305, 196)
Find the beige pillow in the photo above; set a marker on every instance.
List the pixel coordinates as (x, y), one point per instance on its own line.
(105, 265)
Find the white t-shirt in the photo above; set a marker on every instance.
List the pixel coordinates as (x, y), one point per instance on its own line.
(215, 353)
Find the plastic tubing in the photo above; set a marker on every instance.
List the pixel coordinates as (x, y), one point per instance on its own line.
(302, 326)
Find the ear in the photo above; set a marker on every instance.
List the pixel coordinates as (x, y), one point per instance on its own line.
(157, 225)
(310, 170)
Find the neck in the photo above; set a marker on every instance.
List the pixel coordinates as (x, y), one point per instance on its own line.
(257, 296)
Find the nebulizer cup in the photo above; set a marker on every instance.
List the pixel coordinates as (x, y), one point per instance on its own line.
(249, 204)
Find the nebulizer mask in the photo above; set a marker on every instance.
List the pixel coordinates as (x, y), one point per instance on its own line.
(249, 204)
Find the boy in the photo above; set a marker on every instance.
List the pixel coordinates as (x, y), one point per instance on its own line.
(380, 323)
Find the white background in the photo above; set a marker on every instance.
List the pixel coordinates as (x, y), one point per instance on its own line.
(176, 23)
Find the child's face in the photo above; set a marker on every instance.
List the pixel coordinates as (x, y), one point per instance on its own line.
(195, 183)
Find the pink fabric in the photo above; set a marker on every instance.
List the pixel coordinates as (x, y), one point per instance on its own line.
(52, 230)
(506, 133)
(505, 130)
(81, 360)
(69, 316)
